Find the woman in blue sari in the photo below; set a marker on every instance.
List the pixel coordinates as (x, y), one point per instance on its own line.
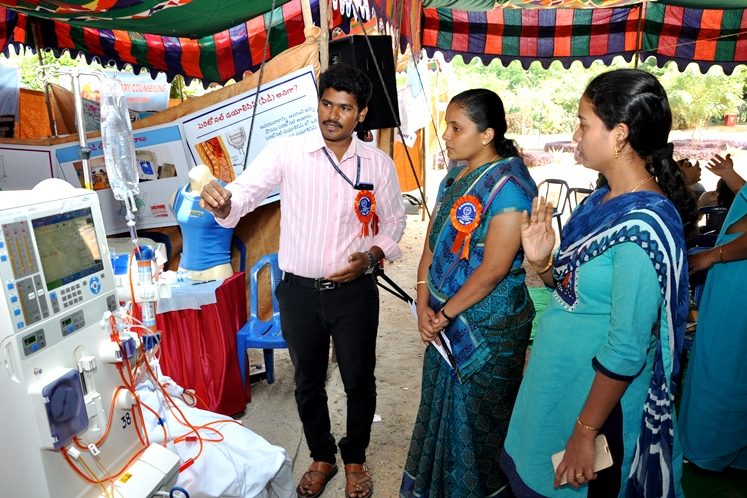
(609, 343)
(472, 300)
(713, 411)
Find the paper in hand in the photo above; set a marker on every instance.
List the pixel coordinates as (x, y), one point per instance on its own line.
(439, 347)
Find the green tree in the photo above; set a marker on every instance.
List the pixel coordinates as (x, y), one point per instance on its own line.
(697, 98)
(29, 66)
(546, 100)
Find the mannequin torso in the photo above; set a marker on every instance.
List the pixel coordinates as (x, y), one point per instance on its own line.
(206, 252)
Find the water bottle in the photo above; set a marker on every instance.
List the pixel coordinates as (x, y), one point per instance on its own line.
(117, 141)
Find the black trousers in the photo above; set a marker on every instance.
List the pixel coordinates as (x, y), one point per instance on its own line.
(350, 316)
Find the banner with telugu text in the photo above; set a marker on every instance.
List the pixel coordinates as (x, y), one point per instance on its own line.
(218, 136)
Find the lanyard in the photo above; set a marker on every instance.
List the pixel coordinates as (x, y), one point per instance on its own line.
(339, 171)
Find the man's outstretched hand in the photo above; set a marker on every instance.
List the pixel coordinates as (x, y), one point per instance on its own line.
(216, 199)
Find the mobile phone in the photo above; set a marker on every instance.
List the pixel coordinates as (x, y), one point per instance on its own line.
(602, 457)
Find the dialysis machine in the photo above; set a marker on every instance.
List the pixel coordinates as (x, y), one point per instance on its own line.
(65, 406)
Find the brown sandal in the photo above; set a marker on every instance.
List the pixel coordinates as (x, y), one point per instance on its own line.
(358, 481)
(315, 479)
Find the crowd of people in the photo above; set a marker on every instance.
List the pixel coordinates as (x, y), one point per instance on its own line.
(600, 381)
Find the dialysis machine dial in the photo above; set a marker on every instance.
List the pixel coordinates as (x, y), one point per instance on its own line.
(57, 285)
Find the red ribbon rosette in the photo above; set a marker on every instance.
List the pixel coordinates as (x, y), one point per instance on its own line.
(465, 217)
(365, 210)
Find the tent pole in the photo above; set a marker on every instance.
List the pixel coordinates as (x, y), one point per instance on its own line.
(400, 6)
(308, 21)
(180, 86)
(324, 39)
(36, 35)
(639, 36)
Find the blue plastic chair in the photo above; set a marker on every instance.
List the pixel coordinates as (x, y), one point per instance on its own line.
(257, 333)
(714, 218)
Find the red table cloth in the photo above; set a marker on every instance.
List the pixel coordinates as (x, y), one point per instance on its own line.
(198, 348)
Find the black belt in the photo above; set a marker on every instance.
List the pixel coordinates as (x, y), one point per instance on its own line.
(316, 283)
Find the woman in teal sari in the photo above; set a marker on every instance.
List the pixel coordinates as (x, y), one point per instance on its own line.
(713, 411)
(472, 300)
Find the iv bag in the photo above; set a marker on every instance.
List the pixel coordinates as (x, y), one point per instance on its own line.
(117, 141)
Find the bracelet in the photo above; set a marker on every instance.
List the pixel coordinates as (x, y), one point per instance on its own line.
(587, 427)
(721, 253)
(443, 312)
(543, 270)
(420, 282)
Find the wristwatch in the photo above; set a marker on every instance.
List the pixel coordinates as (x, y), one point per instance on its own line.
(371, 263)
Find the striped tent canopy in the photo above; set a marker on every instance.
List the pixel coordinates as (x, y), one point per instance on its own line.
(170, 47)
(525, 4)
(670, 30)
(220, 40)
(187, 18)
(218, 57)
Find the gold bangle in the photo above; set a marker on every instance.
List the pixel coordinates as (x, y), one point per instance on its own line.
(721, 253)
(420, 282)
(587, 427)
(543, 270)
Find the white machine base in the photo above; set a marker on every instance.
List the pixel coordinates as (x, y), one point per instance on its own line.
(156, 469)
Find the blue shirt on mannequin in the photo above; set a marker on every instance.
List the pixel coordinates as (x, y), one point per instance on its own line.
(205, 243)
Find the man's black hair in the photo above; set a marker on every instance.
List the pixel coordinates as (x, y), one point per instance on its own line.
(346, 78)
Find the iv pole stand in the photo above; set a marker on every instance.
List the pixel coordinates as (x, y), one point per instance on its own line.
(84, 150)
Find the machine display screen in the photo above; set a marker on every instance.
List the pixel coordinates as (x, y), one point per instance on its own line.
(68, 247)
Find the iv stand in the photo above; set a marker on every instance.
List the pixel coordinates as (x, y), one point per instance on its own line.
(84, 150)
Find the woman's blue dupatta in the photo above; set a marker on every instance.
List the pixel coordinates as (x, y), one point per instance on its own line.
(448, 271)
(651, 221)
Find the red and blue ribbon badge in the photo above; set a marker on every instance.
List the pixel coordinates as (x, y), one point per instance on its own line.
(365, 210)
(465, 218)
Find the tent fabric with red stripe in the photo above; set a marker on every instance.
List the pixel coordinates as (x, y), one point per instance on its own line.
(216, 58)
(667, 32)
(684, 31)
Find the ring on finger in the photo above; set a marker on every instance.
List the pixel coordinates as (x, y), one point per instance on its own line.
(578, 475)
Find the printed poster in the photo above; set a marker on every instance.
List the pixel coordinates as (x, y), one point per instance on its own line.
(218, 136)
(162, 169)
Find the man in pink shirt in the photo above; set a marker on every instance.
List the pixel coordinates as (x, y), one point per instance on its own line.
(341, 213)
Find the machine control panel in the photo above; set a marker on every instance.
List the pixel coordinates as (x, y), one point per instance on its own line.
(73, 322)
(52, 264)
(34, 342)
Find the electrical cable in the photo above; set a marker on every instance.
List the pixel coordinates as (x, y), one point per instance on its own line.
(179, 489)
(87, 479)
(359, 16)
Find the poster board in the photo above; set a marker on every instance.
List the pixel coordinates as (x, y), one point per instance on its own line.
(217, 136)
(162, 168)
(23, 166)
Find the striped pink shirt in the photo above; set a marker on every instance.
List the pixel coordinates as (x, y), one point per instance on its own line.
(318, 225)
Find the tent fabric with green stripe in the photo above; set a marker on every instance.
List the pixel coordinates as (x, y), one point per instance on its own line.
(668, 32)
(215, 58)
